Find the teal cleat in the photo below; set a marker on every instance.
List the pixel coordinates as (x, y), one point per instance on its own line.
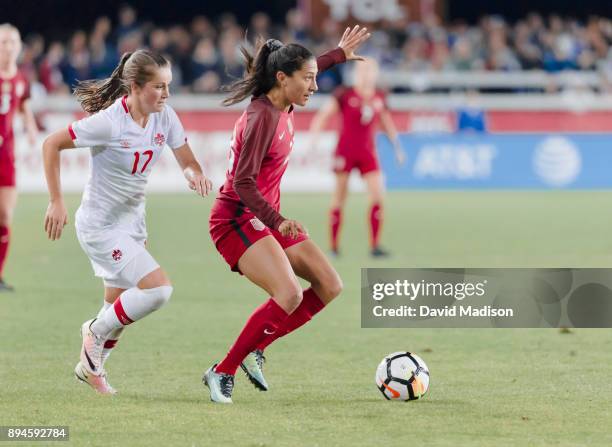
(252, 365)
(220, 385)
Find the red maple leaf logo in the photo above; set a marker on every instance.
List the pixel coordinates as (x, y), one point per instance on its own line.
(160, 139)
(117, 255)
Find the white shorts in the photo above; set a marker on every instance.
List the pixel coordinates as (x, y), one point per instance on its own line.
(116, 257)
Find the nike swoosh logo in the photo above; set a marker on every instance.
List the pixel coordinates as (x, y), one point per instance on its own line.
(92, 366)
(281, 136)
(268, 332)
(395, 394)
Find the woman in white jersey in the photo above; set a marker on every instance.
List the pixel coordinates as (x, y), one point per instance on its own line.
(128, 127)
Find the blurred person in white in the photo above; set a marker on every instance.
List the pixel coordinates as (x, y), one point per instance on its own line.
(128, 127)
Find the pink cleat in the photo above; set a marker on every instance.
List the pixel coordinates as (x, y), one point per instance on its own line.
(97, 382)
(91, 351)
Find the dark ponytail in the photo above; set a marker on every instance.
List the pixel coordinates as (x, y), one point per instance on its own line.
(139, 67)
(271, 57)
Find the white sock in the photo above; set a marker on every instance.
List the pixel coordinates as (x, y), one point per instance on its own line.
(105, 306)
(110, 343)
(132, 305)
(114, 335)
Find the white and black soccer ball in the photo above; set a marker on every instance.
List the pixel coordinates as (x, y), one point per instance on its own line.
(402, 376)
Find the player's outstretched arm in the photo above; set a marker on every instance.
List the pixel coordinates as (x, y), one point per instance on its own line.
(192, 170)
(351, 40)
(56, 217)
(389, 128)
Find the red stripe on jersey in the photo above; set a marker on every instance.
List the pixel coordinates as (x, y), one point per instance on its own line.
(71, 132)
(120, 312)
(124, 104)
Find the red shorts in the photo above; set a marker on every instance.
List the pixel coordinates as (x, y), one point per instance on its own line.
(365, 161)
(233, 231)
(7, 171)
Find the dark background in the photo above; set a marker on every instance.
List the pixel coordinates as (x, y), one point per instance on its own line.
(515, 9)
(58, 19)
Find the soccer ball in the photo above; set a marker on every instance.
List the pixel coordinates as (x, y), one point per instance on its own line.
(402, 376)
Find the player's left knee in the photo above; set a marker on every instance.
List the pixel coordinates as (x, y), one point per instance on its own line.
(158, 295)
(6, 216)
(333, 286)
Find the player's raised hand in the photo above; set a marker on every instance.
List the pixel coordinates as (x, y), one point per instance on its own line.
(200, 184)
(56, 219)
(351, 40)
(291, 228)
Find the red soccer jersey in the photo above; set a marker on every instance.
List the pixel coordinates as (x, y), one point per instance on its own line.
(260, 149)
(12, 94)
(360, 118)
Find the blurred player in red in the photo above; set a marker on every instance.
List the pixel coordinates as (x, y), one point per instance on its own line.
(361, 108)
(14, 97)
(245, 223)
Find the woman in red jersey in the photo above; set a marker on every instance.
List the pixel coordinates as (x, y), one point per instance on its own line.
(245, 223)
(14, 97)
(361, 108)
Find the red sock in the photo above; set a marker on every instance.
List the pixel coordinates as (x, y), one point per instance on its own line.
(335, 221)
(310, 306)
(376, 218)
(5, 237)
(266, 319)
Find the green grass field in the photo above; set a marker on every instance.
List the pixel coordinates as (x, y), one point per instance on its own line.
(489, 386)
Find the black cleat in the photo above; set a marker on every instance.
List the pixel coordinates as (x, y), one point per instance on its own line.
(4, 287)
(378, 252)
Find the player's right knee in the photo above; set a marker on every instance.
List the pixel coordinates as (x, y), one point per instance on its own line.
(158, 296)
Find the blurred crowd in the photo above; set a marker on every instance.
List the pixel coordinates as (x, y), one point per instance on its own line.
(205, 53)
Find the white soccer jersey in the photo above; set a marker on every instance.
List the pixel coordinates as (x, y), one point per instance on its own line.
(123, 154)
